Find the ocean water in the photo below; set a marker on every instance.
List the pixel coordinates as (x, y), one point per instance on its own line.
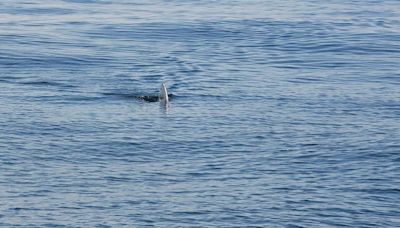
(284, 113)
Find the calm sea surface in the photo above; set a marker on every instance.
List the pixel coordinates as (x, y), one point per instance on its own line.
(284, 113)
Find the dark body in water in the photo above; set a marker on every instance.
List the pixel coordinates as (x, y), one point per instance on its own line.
(152, 98)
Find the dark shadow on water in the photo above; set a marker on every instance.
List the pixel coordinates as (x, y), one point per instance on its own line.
(146, 98)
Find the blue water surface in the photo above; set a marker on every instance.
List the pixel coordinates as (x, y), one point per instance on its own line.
(284, 113)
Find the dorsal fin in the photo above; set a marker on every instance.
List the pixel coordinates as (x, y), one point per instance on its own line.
(164, 94)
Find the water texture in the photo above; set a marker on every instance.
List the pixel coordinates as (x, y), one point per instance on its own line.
(284, 113)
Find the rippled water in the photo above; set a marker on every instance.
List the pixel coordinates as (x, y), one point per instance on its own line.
(284, 114)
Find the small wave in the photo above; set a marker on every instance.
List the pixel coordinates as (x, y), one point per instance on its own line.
(48, 83)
